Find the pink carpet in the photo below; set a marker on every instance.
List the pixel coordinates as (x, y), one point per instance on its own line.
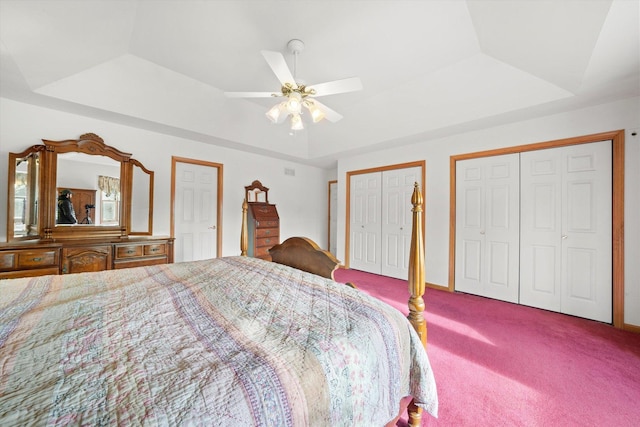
(502, 364)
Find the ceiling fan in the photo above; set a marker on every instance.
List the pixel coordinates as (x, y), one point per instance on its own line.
(299, 95)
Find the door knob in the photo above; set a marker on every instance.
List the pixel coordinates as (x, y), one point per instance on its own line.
(564, 236)
(482, 232)
(212, 227)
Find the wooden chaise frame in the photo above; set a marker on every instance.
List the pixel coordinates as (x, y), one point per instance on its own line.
(304, 254)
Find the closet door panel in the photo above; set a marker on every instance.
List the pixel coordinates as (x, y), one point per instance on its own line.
(397, 188)
(540, 219)
(365, 227)
(566, 230)
(469, 223)
(586, 235)
(502, 229)
(487, 226)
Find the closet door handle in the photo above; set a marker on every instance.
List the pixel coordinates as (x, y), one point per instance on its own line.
(482, 232)
(564, 237)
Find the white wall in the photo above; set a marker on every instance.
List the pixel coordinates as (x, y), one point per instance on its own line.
(607, 117)
(301, 199)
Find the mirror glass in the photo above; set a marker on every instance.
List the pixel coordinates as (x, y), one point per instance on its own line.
(141, 200)
(93, 182)
(25, 196)
(256, 195)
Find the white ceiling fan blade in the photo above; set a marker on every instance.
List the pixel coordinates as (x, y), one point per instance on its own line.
(337, 86)
(249, 94)
(329, 114)
(279, 66)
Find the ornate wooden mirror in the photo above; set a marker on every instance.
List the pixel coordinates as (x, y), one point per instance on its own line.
(111, 193)
(256, 193)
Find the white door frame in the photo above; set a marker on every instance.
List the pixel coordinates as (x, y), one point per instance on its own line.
(332, 211)
(219, 167)
(617, 142)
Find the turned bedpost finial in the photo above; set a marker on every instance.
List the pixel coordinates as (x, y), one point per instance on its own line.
(244, 233)
(416, 287)
(416, 268)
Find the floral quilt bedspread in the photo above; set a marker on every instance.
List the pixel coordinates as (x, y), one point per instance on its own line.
(233, 341)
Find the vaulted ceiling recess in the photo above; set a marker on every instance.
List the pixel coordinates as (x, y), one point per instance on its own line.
(297, 95)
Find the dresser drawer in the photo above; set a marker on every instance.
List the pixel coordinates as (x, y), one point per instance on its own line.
(155, 249)
(37, 259)
(29, 273)
(262, 252)
(266, 241)
(129, 251)
(7, 260)
(138, 262)
(29, 262)
(29, 259)
(270, 223)
(267, 232)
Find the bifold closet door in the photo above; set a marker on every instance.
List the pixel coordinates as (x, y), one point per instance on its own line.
(365, 227)
(397, 188)
(566, 248)
(380, 223)
(487, 226)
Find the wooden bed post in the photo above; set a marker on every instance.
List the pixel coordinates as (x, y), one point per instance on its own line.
(244, 233)
(416, 287)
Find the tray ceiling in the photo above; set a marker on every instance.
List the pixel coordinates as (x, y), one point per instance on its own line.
(429, 68)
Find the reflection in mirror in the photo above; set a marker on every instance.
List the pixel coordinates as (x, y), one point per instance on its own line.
(257, 195)
(94, 183)
(25, 196)
(141, 199)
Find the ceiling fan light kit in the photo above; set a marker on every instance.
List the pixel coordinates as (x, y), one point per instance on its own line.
(298, 95)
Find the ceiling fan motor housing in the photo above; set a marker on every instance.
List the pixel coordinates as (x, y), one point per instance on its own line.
(295, 46)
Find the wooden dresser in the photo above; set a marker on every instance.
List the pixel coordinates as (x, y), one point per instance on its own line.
(28, 259)
(264, 229)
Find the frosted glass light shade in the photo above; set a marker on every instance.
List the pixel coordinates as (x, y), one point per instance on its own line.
(296, 122)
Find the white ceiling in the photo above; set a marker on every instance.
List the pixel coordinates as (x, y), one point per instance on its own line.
(429, 68)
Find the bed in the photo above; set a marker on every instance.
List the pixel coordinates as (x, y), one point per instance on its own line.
(223, 342)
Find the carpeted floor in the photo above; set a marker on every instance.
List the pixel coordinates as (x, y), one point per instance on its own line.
(502, 364)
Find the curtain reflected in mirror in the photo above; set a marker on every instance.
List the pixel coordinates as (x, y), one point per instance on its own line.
(25, 196)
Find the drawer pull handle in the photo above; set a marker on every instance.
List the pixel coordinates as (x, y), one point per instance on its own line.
(155, 249)
(267, 232)
(131, 251)
(37, 259)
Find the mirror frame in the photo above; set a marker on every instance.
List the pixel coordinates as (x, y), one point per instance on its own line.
(149, 230)
(255, 190)
(91, 144)
(11, 193)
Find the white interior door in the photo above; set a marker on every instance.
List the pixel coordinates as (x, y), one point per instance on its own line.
(195, 216)
(365, 226)
(487, 226)
(566, 230)
(397, 188)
